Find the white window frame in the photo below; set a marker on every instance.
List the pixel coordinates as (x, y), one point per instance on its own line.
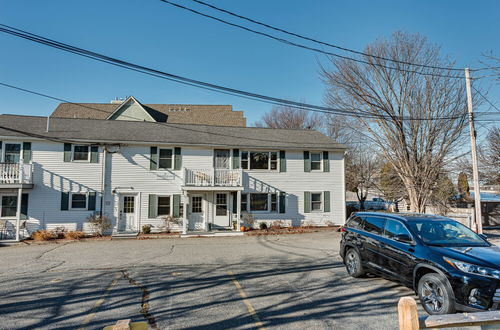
(80, 160)
(320, 200)
(320, 161)
(269, 201)
(70, 200)
(4, 149)
(1, 206)
(171, 164)
(244, 196)
(269, 152)
(158, 215)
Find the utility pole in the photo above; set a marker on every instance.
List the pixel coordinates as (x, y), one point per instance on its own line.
(475, 172)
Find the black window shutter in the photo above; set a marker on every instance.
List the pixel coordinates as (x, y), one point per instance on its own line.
(92, 201)
(307, 162)
(307, 202)
(26, 152)
(236, 158)
(326, 162)
(282, 202)
(177, 206)
(282, 161)
(326, 197)
(94, 154)
(153, 160)
(67, 152)
(177, 159)
(24, 206)
(152, 208)
(235, 202)
(64, 201)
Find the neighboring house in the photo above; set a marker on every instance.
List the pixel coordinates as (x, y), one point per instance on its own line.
(138, 172)
(131, 109)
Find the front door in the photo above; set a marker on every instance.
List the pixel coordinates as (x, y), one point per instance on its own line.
(196, 212)
(221, 218)
(127, 213)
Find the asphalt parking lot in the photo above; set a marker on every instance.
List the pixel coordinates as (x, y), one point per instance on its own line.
(281, 282)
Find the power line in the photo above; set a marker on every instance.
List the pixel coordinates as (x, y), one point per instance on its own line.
(330, 44)
(200, 84)
(486, 99)
(291, 43)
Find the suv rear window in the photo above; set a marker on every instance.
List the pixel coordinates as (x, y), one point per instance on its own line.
(374, 225)
(354, 222)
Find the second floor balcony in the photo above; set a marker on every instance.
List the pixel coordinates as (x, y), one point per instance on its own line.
(212, 177)
(16, 173)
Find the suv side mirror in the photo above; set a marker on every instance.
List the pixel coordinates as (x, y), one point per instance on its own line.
(403, 238)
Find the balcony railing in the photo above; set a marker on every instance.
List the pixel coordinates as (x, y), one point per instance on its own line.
(15, 173)
(212, 177)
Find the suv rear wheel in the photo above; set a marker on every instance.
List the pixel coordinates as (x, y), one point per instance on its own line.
(435, 294)
(353, 263)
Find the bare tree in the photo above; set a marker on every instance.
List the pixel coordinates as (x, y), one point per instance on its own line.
(289, 117)
(361, 169)
(384, 95)
(391, 185)
(490, 157)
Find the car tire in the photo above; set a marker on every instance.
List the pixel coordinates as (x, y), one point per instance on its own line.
(435, 294)
(353, 263)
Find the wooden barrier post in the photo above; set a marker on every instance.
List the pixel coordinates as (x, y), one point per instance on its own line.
(408, 314)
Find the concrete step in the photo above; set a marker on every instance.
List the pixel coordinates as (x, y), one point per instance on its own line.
(212, 234)
(124, 235)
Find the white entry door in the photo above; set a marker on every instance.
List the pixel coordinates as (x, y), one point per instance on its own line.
(221, 218)
(196, 212)
(128, 213)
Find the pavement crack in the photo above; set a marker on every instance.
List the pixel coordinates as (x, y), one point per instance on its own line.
(49, 250)
(51, 268)
(145, 300)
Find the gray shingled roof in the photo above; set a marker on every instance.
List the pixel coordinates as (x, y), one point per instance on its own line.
(219, 115)
(118, 131)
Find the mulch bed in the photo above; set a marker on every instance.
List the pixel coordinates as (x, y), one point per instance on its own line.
(31, 241)
(290, 230)
(158, 235)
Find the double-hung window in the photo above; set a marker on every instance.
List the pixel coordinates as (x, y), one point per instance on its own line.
(9, 206)
(163, 205)
(315, 161)
(258, 202)
(274, 202)
(259, 160)
(244, 202)
(78, 201)
(165, 159)
(316, 202)
(81, 153)
(12, 152)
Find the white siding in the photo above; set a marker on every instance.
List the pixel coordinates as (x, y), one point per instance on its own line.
(51, 175)
(128, 171)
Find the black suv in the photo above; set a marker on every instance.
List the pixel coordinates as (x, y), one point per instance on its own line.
(449, 266)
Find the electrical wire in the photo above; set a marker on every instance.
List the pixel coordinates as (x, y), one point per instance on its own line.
(486, 99)
(288, 42)
(200, 84)
(330, 44)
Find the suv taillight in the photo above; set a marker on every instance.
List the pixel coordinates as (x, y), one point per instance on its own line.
(342, 229)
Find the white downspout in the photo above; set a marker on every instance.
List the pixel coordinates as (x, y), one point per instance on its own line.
(103, 179)
(18, 212)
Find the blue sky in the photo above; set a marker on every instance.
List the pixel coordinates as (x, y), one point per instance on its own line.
(155, 34)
